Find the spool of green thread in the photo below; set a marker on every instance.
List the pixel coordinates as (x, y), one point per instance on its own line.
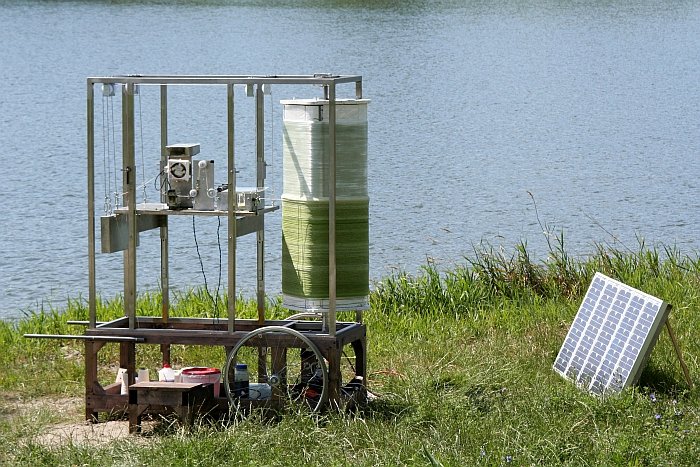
(305, 248)
(305, 201)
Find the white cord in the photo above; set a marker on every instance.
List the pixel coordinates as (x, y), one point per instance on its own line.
(106, 172)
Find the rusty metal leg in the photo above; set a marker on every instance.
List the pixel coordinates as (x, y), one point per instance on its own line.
(360, 348)
(334, 377)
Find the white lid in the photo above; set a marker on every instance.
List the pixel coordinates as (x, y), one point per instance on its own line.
(319, 101)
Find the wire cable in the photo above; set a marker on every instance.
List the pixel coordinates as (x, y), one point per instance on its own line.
(272, 147)
(105, 170)
(143, 163)
(218, 285)
(114, 153)
(201, 263)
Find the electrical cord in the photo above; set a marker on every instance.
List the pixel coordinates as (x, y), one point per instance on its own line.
(218, 285)
(214, 301)
(201, 263)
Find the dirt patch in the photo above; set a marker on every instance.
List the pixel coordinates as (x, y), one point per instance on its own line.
(15, 404)
(84, 433)
(74, 430)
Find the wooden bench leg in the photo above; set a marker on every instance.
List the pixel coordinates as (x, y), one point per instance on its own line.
(134, 420)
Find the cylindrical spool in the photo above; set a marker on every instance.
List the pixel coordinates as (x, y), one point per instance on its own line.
(305, 198)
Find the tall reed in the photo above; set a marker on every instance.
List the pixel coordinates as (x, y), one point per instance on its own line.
(492, 277)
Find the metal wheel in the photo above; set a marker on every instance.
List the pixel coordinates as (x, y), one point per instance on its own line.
(283, 365)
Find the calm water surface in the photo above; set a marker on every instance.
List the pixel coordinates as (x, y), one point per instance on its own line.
(592, 107)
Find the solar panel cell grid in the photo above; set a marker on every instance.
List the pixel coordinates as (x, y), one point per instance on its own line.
(610, 335)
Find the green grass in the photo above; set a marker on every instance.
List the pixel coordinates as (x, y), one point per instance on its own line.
(461, 361)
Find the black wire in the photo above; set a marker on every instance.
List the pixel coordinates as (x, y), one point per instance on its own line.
(349, 362)
(201, 263)
(163, 181)
(218, 285)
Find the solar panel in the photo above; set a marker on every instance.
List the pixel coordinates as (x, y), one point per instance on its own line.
(611, 337)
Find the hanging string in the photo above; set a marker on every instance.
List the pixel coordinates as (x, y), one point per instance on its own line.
(218, 284)
(271, 183)
(143, 185)
(201, 265)
(143, 163)
(107, 177)
(113, 169)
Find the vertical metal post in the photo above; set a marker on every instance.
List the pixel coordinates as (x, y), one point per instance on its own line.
(331, 210)
(358, 89)
(164, 254)
(231, 212)
(164, 269)
(260, 180)
(358, 95)
(92, 304)
(129, 180)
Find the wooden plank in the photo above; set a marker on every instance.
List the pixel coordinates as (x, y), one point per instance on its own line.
(183, 399)
(91, 384)
(164, 385)
(107, 403)
(220, 337)
(167, 336)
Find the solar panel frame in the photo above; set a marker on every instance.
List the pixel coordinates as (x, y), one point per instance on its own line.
(611, 337)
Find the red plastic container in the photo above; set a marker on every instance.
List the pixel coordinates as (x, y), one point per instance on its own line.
(202, 375)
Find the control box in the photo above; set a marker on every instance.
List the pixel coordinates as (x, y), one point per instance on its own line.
(178, 170)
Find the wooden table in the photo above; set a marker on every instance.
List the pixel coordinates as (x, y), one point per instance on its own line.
(183, 399)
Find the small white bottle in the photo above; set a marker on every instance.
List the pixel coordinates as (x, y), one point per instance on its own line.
(125, 384)
(166, 373)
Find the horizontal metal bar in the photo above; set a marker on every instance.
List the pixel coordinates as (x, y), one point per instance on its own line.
(225, 79)
(159, 209)
(119, 322)
(85, 338)
(82, 323)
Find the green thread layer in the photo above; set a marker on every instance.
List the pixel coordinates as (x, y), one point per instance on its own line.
(305, 248)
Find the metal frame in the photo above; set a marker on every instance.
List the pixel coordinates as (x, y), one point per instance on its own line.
(128, 83)
(330, 336)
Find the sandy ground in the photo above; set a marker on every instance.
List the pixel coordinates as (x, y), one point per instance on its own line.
(85, 433)
(74, 430)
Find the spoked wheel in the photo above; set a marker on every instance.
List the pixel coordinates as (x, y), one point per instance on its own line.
(283, 365)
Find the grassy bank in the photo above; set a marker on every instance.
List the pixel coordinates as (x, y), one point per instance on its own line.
(461, 361)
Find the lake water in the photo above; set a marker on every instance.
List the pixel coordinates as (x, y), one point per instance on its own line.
(592, 107)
